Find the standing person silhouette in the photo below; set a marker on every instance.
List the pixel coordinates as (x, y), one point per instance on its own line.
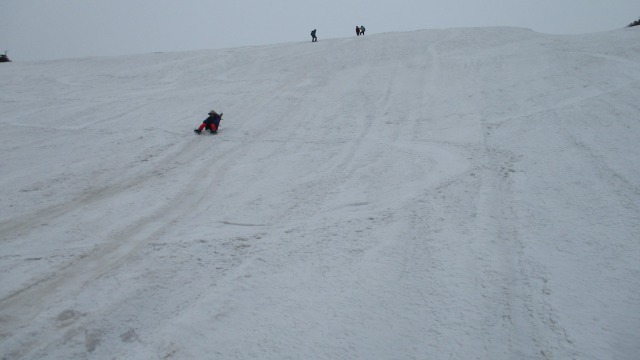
(313, 36)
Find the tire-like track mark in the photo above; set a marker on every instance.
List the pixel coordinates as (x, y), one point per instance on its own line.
(23, 305)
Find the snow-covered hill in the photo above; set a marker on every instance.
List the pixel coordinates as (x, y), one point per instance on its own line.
(449, 194)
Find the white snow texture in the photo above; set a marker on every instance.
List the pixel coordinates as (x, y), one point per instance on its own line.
(438, 194)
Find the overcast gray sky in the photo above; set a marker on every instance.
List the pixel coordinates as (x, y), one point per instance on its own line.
(50, 29)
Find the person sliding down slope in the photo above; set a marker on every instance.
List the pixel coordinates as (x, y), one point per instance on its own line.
(211, 123)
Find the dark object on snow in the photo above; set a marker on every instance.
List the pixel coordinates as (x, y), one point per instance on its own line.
(4, 57)
(313, 36)
(211, 123)
(357, 30)
(635, 23)
(362, 30)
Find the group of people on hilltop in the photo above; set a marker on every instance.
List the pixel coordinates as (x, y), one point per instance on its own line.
(359, 31)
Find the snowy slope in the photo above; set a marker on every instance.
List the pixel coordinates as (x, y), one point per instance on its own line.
(450, 194)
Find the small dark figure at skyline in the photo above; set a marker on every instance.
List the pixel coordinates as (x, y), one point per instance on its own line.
(313, 36)
(4, 57)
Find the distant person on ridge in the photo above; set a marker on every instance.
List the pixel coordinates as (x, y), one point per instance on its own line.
(211, 123)
(313, 36)
(357, 30)
(362, 30)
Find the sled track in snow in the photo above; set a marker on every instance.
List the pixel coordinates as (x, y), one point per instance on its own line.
(119, 244)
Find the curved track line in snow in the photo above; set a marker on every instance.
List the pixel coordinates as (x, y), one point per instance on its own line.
(116, 246)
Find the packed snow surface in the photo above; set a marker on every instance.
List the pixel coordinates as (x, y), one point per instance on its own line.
(437, 194)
